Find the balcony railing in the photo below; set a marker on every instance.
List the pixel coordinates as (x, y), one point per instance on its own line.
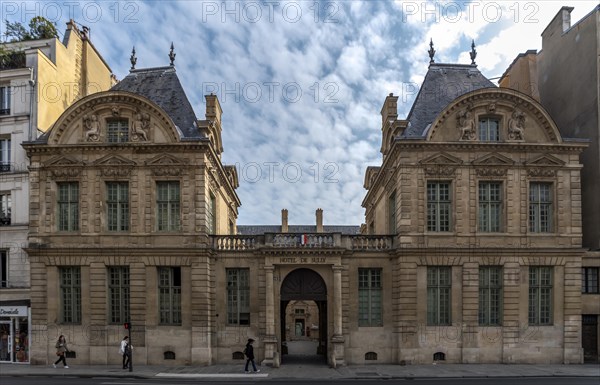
(303, 241)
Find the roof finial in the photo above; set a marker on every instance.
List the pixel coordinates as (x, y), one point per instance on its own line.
(172, 54)
(431, 52)
(473, 52)
(133, 59)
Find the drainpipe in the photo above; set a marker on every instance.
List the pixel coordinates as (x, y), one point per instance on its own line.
(31, 98)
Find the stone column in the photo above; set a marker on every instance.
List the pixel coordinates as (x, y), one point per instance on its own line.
(270, 340)
(336, 354)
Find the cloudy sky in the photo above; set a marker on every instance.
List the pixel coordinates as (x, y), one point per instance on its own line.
(302, 83)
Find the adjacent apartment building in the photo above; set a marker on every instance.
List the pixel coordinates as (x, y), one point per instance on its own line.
(39, 79)
(471, 251)
(564, 76)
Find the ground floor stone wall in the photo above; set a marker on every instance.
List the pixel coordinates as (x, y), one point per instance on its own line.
(403, 334)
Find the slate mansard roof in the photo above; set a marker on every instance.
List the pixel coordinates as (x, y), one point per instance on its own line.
(162, 86)
(442, 84)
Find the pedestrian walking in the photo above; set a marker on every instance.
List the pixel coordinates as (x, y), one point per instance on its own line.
(61, 350)
(125, 351)
(249, 352)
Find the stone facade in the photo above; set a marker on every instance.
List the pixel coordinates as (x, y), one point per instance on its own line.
(43, 79)
(566, 69)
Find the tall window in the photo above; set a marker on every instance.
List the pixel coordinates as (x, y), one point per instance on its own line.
(3, 268)
(70, 294)
(490, 295)
(5, 209)
(4, 100)
(238, 296)
(5, 155)
(589, 280)
(392, 213)
(438, 206)
(68, 206)
(540, 295)
(168, 206)
(540, 207)
(369, 297)
(118, 291)
(117, 206)
(211, 213)
(169, 289)
(118, 130)
(439, 285)
(490, 207)
(488, 130)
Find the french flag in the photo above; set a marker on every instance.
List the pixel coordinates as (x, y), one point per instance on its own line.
(303, 239)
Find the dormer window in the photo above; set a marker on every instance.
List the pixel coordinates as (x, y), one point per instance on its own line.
(489, 129)
(118, 130)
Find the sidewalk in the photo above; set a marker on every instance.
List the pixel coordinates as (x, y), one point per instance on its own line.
(309, 371)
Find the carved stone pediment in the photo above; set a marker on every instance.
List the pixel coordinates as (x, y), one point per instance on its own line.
(493, 159)
(114, 166)
(545, 160)
(441, 159)
(114, 160)
(166, 165)
(63, 161)
(441, 164)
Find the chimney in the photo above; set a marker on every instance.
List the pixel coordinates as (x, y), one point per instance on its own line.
(213, 109)
(284, 221)
(319, 214)
(389, 111)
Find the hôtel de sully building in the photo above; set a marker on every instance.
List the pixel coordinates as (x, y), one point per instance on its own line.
(471, 251)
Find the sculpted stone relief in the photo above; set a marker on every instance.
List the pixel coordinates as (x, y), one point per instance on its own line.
(138, 129)
(516, 125)
(466, 123)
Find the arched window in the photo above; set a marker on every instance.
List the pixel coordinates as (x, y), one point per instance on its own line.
(439, 356)
(489, 129)
(169, 355)
(237, 356)
(371, 356)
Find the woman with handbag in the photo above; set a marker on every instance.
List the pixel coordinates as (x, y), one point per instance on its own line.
(61, 349)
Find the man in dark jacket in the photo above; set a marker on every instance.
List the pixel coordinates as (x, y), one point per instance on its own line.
(249, 352)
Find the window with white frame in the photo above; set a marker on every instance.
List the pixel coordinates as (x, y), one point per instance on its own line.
(438, 206)
(490, 207)
(169, 290)
(370, 307)
(238, 296)
(540, 207)
(490, 295)
(5, 209)
(168, 206)
(117, 206)
(5, 100)
(439, 285)
(5, 159)
(70, 294)
(118, 292)
(540, 295)
(68, 206)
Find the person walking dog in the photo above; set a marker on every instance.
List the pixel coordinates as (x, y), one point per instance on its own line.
(61, 349)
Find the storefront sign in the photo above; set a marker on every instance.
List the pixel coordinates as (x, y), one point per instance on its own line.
(302, 260)
(13, 311)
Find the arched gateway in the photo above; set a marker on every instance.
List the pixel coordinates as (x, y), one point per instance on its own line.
(305, 285)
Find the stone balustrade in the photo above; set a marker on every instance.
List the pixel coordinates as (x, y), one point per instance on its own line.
(295, 240)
